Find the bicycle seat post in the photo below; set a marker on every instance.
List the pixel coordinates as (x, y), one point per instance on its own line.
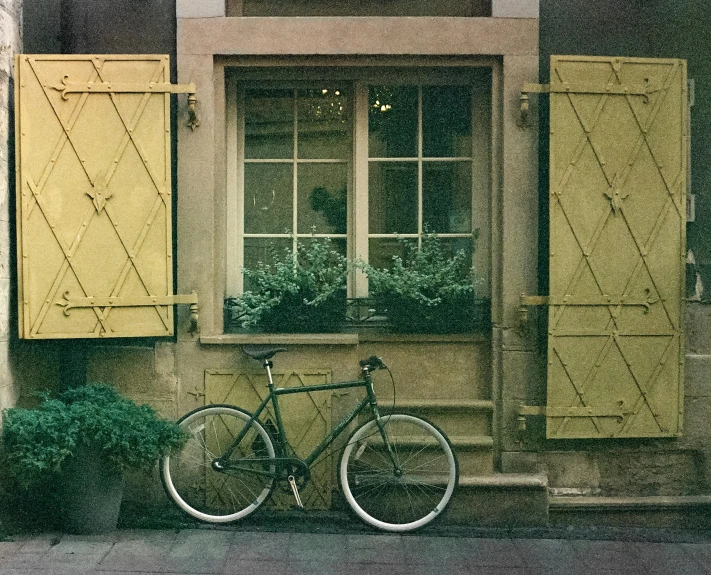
(268, 364)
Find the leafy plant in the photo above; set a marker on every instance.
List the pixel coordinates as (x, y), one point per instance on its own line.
(298, 292)
(38, 441)
(426, 289)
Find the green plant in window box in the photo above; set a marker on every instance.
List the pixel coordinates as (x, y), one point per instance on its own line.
(427, 290)
(302, 292)
(81, 442)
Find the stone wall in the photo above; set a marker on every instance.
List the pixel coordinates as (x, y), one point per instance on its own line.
(10, 44)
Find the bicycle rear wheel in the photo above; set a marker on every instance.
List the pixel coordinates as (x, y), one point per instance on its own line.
(403, 487)
(202, 490)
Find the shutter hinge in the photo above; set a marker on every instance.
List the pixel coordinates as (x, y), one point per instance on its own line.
(617, 302)
(67, 87)
(529, 300)
(643, 90)
(69, 303)
(523, 411)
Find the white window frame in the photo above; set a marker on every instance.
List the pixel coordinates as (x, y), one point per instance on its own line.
(358, 236)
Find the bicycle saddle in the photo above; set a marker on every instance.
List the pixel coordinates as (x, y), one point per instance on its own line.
(261, 351)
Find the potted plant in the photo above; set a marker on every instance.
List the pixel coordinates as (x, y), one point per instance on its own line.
(300, 292)
(427, 289)
(84, 439)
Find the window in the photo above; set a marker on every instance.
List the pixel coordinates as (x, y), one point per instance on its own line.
(363, 157)
(296, 150)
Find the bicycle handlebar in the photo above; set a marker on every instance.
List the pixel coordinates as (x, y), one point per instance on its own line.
(372, 363)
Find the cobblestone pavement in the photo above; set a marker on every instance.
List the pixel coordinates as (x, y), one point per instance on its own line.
(230, 552)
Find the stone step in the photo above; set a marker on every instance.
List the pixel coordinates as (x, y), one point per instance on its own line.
(459, 417)
(500, 499)
(475, 462)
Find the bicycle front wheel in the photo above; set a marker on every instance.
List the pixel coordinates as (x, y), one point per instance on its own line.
(400, 477)
(214, 493)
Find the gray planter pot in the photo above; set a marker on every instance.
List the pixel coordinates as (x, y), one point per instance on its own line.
(91, 490)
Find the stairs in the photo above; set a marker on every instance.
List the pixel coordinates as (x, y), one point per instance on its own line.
(467, 423)
(484, 497)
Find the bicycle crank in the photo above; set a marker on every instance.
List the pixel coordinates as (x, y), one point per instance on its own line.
(295, 491)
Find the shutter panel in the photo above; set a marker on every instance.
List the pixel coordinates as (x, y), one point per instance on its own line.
(94, 196)
(618, 172)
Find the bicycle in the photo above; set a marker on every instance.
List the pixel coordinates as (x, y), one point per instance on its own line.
(397, 471)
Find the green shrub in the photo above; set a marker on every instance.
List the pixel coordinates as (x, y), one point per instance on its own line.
(427, 289)
(300, 292)
(38, 441)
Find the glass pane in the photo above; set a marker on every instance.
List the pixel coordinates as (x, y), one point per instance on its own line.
(269, 124)
(392, 198)
(392, 122)
(382, 250)
(322, 198)
(336, 244)
(446, 121)
(266, 250)
(268, 190)
(454, 245)
(447, 197)
(323, 124)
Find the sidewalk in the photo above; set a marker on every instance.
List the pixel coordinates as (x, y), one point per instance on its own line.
(229, 552)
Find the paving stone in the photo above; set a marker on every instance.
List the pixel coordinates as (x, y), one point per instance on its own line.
(135, 555)
(548, 553)
(611, 555)
(259, 546)
(387, 549)
(445, 551)
(249, 567)
(661, 558)
(319, 568)
(9, 548)
(701, 554)
(198, 551)
(493, 570)
(312, 547)
(491, 552)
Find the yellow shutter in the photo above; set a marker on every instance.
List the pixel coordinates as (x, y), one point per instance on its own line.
(94, 196)
(618, 172)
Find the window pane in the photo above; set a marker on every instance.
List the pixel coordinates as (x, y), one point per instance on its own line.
(382, 250)
(447, 197)
(392, 198)
(266, 250)
(323, 124)
(446, 121)
(268, 193)
(454, 245)
(322, 198)
(336, 244)
(269, 124)
(392, 122)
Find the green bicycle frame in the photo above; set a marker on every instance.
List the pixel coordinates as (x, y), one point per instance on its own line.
(272, 397)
